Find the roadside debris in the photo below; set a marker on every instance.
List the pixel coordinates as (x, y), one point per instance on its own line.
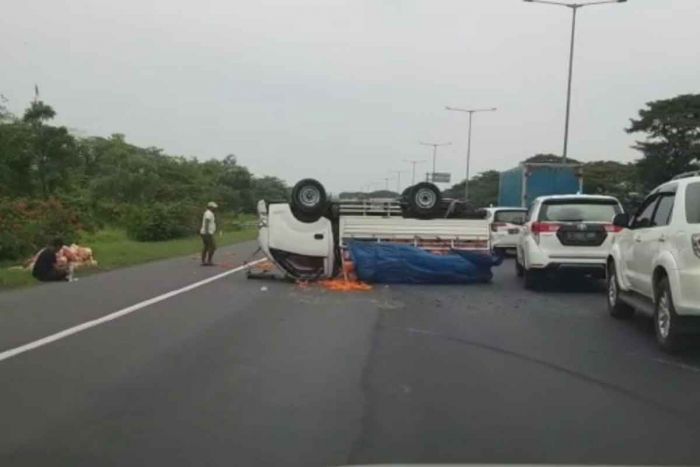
(74, 255)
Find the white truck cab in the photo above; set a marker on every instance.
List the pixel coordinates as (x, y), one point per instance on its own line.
(654, 262)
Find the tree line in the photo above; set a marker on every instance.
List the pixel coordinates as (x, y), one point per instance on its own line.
(670, 145)
(40, 160)
(53, 183)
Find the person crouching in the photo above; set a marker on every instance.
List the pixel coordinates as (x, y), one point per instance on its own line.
(46, 266)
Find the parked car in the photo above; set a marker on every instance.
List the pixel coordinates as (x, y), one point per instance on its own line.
(506, 224)
(566, 233)
(654, 262)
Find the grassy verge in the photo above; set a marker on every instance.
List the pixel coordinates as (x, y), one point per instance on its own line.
(112, 249)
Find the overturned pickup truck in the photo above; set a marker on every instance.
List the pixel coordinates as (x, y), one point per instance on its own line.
(419, 237)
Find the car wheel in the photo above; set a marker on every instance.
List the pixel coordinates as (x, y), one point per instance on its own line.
(518, 268)
(532, 278)
(308, 201)
(423, 199)
(616, 308)
(666, 321)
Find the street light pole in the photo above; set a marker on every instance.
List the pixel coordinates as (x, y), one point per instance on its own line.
(435, 146)
(398, 179)
(471, 112)
(574, 8)
(413, 163)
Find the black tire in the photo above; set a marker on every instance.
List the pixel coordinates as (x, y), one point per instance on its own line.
(533, 278)
(519, 270)
(424, 200)
(616, 308)
(666, 321)
(309, 200)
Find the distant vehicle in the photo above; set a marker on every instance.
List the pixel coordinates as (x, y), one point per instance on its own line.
(566, 233)
(307, 236)
(505, 223)
(521, 185)
(654, 263)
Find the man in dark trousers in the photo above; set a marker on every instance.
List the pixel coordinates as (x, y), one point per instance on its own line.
(45, 266)
(207, 232)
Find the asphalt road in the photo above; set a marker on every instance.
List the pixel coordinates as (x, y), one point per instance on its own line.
(231, 374)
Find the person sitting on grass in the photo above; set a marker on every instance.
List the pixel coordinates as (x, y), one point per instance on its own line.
(46, 267)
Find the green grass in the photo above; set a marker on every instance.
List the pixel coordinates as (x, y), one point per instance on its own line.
(112, 249)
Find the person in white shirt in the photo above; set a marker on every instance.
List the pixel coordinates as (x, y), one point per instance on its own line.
(207, 232)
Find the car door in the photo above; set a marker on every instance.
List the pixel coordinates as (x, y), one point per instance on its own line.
(651, 240)
(640, 225)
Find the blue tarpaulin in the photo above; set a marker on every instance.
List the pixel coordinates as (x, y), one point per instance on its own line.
(392, 263)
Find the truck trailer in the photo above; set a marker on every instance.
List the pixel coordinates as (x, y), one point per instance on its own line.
(521, 185)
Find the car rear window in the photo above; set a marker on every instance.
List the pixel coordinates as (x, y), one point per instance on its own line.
(579, 210)
(692, 203)
(512, 217)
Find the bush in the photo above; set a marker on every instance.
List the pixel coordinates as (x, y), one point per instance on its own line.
(162, 221)
(28, 225)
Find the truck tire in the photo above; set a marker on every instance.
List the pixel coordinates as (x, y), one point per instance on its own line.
(533, 279)
(424, 199)
(666, 321)
(519, 270)
(616, 308)
(309, 200)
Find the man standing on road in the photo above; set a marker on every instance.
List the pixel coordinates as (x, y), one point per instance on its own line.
(207, 232)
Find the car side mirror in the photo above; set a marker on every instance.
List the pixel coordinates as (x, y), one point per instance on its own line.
(621, 220)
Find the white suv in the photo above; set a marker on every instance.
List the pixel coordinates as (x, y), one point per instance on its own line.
(506, 225)
(566, 232)
(654, 263)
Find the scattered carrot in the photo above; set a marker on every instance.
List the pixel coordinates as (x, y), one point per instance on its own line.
(342, 285)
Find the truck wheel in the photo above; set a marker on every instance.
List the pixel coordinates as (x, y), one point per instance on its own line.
(616, 308)
(519, 271)
(533, 279)
(308, 201)
(423, 199)
(666, 321)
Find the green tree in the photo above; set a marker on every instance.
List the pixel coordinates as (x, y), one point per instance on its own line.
(52, 149)
(270, 188)
(672, 144)
(483, 189)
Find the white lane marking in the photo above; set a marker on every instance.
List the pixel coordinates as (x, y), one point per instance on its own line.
(117, 314)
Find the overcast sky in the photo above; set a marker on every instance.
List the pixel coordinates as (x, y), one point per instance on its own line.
(343, 90)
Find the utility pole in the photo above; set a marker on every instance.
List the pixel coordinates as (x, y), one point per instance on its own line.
(398, 179)
(574, 8)
(471, 112)
(435, 146)
(413, 163)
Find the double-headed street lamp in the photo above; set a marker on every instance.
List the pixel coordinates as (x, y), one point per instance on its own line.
(435, 146)
(574, 8)
(469, 140)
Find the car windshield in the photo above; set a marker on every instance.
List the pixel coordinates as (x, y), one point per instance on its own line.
(692, 203)
(579, 211)
(512, 216)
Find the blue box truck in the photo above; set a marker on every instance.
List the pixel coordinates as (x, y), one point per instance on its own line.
(521, 185)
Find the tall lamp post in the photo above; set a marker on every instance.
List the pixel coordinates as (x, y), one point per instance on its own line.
(398, 179)
(471, 112)
(574, 8)
(413, 163)
(435, 146)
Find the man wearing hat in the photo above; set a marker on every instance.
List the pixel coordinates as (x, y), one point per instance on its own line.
(207, 232)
